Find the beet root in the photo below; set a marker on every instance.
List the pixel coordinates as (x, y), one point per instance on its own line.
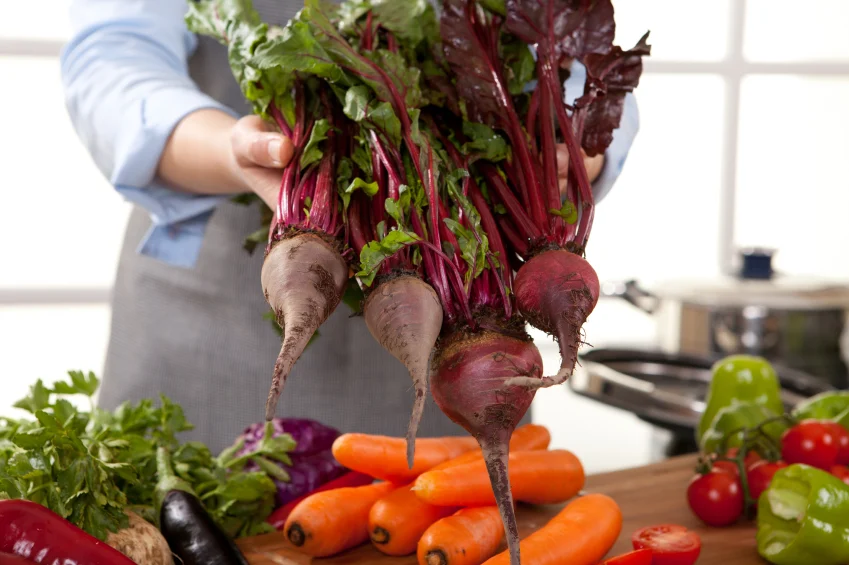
(469, 381)
(556, 291)
(405, 316)
(303, 278)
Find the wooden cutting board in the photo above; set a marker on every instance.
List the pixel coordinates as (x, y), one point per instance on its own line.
(649, 495)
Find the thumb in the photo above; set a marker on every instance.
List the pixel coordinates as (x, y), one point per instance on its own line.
(253, 144)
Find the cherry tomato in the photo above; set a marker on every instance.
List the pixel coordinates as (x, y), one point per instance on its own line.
(725, 467)
(841, 436)
(811, 442)
(670, 544)
(636, 557)
(716, 498)
(752, 457)
(760, 475)
(841, 473)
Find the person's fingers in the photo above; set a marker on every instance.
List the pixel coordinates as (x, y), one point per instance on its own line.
(562, 159)
(254, 144)
(562, 167)
(593, 165)
(265, 183)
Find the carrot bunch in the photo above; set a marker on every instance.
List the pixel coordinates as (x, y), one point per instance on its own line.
(442, 508)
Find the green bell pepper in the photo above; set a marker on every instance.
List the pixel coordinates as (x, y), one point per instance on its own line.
(832, 406)
(803, 518)
(740, 379)
(736, 416)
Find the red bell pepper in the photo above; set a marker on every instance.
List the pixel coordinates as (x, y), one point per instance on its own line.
(36, 533)
(13, 559)
(351, 479)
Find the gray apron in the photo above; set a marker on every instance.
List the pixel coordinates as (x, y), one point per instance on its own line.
(198, 335)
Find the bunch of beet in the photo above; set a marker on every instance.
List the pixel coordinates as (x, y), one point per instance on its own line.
(425, 178)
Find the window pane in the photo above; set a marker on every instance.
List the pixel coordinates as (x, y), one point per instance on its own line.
(54, 198)
(793, 192)
(680, 31)
(35, 19)
(661, 219)
(786, 30)
(45, 342)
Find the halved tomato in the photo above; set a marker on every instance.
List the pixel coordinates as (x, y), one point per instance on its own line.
(636, 557)
(670, 544)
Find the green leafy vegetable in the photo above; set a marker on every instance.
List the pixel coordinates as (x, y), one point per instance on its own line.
(88, 466)
(376, 252)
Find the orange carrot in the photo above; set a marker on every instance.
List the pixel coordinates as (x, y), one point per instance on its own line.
(394, 528)
(385, 457)
(581, 534)
(397, 521)
(537, 477)
(468, 537)
(530, 437)
(328, 522)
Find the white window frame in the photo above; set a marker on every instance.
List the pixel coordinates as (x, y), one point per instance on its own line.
(733, 68)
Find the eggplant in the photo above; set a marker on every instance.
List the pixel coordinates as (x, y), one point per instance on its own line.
(190, 531)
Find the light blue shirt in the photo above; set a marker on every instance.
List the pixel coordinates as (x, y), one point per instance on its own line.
(126, 80)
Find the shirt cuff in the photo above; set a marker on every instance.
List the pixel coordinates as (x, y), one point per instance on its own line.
(179, 218)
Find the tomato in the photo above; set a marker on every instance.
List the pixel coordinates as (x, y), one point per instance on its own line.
(716, 498)
(752, 457)
(841, 436)
(760, 475)
(670, 544)
(636, 557)
(726, 467)
(812, 442)
(841, 473)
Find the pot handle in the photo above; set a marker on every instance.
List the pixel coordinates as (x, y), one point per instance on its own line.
(631, 292)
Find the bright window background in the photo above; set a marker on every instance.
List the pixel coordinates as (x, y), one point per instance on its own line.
(743, 141)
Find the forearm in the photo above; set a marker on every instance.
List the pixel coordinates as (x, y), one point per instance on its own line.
(198, 156)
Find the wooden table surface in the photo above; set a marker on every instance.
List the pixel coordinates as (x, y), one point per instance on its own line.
(649, 495)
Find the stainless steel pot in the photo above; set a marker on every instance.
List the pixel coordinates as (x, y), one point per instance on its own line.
(801, 323)
(668, 390)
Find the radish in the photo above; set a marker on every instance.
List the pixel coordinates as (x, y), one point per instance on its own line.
(470, 379)
(404, 315)
(303, 278)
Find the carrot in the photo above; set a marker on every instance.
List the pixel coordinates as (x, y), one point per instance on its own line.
(351, 479)
(469, 537)
(385, 457)
(536, 477)
(332, 521)
(530, 437)
(397, 521)
(580, 534)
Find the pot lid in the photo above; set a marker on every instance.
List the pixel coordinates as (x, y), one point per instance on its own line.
(758, 285)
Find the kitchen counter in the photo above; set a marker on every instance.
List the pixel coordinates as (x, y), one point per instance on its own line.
(647, 495)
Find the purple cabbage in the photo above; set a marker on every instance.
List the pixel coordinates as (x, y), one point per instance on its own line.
(313, 463)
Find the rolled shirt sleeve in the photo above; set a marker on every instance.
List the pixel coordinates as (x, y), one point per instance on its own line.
(126, 81)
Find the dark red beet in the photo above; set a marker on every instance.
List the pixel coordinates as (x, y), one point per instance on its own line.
(556, 291)
(468, 380)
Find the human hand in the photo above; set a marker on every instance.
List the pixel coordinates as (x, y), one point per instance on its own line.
(592, 164)
(259, 155)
